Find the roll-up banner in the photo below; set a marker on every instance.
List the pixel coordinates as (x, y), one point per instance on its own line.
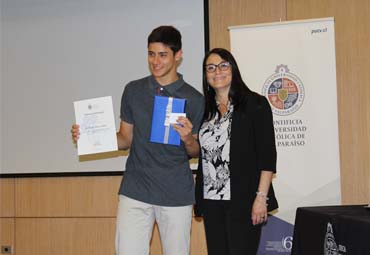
(293, 65)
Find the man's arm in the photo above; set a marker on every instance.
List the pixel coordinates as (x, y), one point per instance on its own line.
(124, 135)
(192, 146)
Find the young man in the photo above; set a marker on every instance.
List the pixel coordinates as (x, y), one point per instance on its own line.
(158, 183)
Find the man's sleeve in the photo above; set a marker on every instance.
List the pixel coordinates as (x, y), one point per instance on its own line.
(126, 106)
(197, 117)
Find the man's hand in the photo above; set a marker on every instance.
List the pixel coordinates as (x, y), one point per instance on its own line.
(184, 127)
(75, 131)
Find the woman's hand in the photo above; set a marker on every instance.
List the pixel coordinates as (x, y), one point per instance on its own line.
(259, 210)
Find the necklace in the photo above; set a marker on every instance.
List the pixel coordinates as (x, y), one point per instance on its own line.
(223, 108)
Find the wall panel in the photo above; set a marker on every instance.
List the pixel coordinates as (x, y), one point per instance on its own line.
(65, 236)
(70, 214)
(352, 30)
(223, 14)
(7, 197)
(7, 232)
(67, 197)
(198, 244)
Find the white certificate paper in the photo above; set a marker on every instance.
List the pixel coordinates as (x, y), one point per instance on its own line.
(97, 125)
(174, 116)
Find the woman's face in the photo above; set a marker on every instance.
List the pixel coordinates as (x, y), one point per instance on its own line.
(218, 73)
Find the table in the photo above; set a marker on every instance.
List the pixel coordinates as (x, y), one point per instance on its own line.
(332, 230)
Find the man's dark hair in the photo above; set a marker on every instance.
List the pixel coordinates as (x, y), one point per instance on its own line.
(167, 35)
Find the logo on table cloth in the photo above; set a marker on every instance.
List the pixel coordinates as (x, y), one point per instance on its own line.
(330, 246)
(284, 90)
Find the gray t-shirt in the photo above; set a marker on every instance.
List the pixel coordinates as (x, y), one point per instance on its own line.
(156, 173)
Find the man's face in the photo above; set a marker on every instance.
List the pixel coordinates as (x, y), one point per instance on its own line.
(163, 62)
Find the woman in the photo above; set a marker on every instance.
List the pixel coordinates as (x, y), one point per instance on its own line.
(237, 161)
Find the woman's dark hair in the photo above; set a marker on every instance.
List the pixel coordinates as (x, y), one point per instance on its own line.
(167, 35)
(238, 89)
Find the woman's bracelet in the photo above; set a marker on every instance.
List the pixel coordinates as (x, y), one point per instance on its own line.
(261, 194)
(263, 203)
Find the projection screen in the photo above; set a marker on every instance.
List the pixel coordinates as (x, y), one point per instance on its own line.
(54, 52)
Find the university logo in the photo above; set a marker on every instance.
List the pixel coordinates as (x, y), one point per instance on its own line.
(330, 246)
(284, 90)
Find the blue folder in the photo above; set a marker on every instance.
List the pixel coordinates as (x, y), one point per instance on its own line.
(163, 106)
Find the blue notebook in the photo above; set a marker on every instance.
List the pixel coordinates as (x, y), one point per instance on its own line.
(162, 131)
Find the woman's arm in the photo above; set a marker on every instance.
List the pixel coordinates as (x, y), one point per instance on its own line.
(259, 209)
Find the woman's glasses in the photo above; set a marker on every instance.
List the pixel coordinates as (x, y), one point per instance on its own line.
(223, 66)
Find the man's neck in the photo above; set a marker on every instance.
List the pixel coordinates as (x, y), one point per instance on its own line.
(164, 81)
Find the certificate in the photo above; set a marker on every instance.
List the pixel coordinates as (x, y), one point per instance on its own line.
(97, 126)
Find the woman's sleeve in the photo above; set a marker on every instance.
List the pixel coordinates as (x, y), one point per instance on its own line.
(198, 207)
(265, 137)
